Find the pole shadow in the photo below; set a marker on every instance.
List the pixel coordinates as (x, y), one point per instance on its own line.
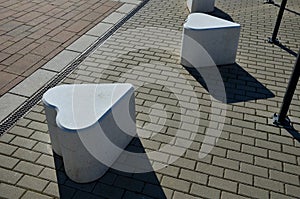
(113, 184)
(285, 48)
(291, 130)
(239, 85)
(287, 9)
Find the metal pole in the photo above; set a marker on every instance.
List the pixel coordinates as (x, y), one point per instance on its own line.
(290, 91)
(274, 39)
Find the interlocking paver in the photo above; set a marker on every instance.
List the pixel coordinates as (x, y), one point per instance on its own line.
(32, 183)
(7, 149)
(9, 176)
(28, 168)
(21, 131)
(251, 159)
(34, 195)
(52, 189)
(8, 162)
(205, 191)
(9, 191)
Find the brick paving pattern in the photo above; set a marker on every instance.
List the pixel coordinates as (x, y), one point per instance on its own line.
(251, 158)
(33, 32)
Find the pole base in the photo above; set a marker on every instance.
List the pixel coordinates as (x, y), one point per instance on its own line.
(269, 2)
(285, 123)
(273, 41)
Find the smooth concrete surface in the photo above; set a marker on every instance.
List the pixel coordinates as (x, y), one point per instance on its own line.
(86, 122)
(208, 41)
(201, 5)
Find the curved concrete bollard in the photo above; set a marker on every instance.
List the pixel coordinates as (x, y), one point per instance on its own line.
(205, 35)
(89, 126)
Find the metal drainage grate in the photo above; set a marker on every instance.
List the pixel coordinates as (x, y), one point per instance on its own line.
(13, 118)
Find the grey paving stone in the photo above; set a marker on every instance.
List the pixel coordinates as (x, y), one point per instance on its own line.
(32, 183)
(46, 160)
(61, 61)
(275, 195)
(205, 191)
(285, 177)
(36, 116)
(43, 148)
(36, 81)
(254, 150)
(185, 163)
(193, 176)
(282, 157)
(52, 189)
(223, 184)
(253, 169)
(28, 168)
(8, 162)
(131, 1)
(26, 154)
(7, 149)
(179, 195)
(269, 184)
(292, 190)
(242, 139)
(21, 131)
(227, 195)
(268, 145)
(23, 142)
(100, 29)
(6, 138)
(81, 44)
(34, 195)
(48, 174)
(238, 176)
(113, 18)
(175, 184)
(291, 168)
(252, 192)
(243, 157)
(170, 170)
(223, 162)
(11, 192)
(9, 176)
(39, 126)
(39, 136)
(8, 103)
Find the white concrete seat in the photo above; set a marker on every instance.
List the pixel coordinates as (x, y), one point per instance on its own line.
(201, 5)
(89, 126)
(208, 41)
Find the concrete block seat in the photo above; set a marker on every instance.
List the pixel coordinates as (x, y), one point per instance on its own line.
(201, 5)
(209, 40)
(89, 126)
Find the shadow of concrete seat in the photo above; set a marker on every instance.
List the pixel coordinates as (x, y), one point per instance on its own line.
(208, 41)
(201, 5)
(89, 126)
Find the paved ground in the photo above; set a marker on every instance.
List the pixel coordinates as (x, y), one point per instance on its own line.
(33, 32)
(251, 158)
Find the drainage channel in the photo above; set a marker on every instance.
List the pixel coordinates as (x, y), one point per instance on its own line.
(20, 112)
